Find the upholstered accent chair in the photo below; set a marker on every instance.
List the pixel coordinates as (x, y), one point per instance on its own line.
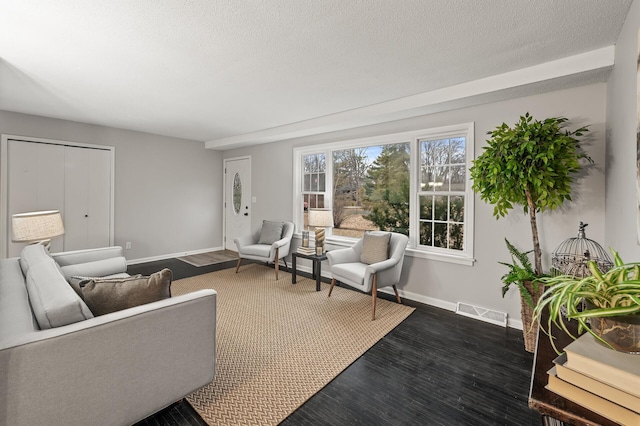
(375, 261)
(268, 244)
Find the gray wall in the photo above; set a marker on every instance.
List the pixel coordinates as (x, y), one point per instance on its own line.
(443, 283)
(168, 191)
(622, 119)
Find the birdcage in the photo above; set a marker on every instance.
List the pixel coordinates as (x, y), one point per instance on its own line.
(571, 256)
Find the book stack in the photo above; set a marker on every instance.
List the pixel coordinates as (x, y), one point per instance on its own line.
(307, 250)
(602, 380)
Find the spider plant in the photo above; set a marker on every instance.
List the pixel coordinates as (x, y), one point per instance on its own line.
(615, 293)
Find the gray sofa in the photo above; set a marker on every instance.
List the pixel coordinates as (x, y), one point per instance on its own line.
(59, 365)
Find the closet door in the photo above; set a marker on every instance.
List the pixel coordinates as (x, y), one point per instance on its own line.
(87, 200)
(35, 178)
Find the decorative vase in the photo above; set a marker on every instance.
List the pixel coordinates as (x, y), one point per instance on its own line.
(529, 329)
(622, 333)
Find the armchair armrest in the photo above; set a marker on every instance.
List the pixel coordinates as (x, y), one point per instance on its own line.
(104, 367)
(281, 243)
(347, 255)
(246, 240)
(388, 272)
(381, 266)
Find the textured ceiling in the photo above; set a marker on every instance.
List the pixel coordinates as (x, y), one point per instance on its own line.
(214, 69)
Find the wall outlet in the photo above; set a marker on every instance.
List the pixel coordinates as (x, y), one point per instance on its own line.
(127, 245)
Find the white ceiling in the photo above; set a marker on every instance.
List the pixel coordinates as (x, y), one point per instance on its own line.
(234, 72)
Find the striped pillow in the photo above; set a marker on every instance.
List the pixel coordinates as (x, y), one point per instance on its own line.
(375, 248)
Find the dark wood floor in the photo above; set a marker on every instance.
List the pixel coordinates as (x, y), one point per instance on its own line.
(436, 368)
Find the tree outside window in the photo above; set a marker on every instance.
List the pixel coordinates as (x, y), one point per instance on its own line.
(371, 189)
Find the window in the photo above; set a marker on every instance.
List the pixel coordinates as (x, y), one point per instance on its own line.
(314, 183)
(415, 183)
(371, 189)
(441, 194)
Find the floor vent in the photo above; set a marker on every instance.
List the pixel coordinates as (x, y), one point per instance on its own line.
(483, 314)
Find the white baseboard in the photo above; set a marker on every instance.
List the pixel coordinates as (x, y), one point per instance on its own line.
(172, 255)
(431, 301)
(514, 323)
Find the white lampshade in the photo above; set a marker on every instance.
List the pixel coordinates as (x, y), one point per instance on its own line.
(320, 218)
(36, 226)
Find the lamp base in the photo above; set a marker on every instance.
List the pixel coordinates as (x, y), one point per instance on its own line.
(45, 243)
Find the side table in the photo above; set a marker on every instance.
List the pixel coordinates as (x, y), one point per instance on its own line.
(555, 409)
(317, 266)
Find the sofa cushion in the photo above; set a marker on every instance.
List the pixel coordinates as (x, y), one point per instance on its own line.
(86, 255)
(53, 301)
(375, 248)
(98, 268)
(104, 296)
(270, 232)
(32, 254)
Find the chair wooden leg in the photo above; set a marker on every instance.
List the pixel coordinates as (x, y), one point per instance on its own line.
(285, 264)
(333, 282)
(277, 263)
(374, 296)
(238, 265)
(397, 295)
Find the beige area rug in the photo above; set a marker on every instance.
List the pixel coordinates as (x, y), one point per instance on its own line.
(279, 343)
(210, 258)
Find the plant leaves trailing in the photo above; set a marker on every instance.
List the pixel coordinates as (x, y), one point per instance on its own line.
(610, 294)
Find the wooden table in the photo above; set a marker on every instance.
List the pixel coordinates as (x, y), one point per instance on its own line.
(548, 403)
(317, 266)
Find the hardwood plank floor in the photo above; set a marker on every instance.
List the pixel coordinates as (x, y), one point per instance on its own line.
(436, 368)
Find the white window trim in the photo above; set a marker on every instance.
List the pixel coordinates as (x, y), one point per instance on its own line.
(464, 257)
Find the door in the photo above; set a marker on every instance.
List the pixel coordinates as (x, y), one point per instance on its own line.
(44, 174)
(35, 183)
(87, 201)
(237, 213)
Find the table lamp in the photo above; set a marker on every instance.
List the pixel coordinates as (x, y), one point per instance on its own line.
(36, 227)
(320, 219)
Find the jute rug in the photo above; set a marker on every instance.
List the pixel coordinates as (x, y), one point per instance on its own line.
(210, 258)
(279, 343)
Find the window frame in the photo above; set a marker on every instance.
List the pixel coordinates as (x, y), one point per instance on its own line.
(466, 130)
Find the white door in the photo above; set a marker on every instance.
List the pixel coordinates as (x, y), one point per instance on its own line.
(237, 200)
(52, 176)
(36, 182)
(87, 201)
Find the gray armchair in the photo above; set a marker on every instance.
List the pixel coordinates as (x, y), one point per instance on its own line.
(347, 266)
(268, 244)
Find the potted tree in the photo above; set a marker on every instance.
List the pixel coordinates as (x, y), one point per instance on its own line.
(611, 304)
(531, 164)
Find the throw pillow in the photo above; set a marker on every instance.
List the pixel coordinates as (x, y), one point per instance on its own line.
(110, 295)
(375, 248)
(271, 232)
(76, 280)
